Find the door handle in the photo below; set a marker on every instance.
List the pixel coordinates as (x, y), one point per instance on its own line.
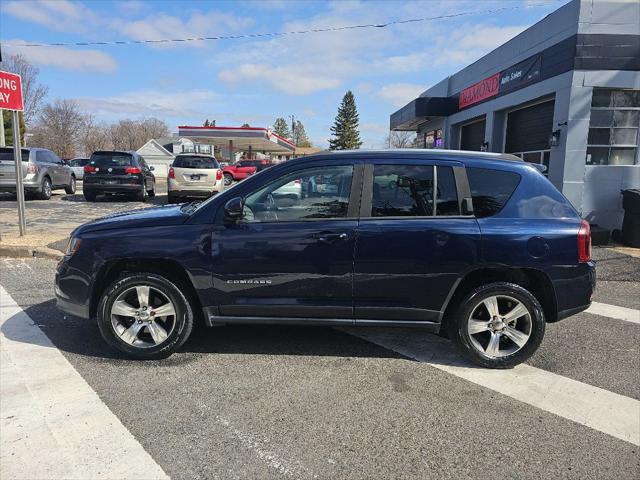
(330, 237)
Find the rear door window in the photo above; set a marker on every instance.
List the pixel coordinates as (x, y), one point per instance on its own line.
(490, 189)
(78, 162)
(408, 191)
(195, 162)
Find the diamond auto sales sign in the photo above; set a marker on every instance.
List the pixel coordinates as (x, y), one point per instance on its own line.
(10, 92)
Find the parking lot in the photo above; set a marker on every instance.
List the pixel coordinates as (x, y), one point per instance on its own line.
(319, 402)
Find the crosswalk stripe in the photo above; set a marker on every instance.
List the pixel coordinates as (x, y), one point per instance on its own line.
(614, 311)
(594, 407)
(53, 423)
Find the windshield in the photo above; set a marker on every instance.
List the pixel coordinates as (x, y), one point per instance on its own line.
(183, 161)
(110, 159)
(7, 154)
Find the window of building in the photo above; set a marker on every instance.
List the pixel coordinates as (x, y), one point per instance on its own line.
(490, 189)
(408, 191)
(433, 139)
(614, 128)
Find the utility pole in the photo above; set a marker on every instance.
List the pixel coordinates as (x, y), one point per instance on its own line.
(293, 128)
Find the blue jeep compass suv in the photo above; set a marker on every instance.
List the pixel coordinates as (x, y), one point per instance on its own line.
(479, 245)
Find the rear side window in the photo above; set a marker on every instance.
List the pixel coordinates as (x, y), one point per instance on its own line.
(111, 159)
(491, 189)
(407, 191)
(195, 162)
(7, 154)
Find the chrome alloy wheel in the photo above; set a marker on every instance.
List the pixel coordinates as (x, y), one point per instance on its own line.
(143, 316)
(499, 326)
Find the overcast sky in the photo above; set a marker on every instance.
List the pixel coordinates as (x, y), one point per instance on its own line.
(254, 80)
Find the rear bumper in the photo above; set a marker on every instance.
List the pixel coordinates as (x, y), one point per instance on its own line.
(192, 193)
(117, 188)
(574, 288)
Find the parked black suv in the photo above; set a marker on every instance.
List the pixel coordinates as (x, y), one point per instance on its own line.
(118, 172)
(479, 244)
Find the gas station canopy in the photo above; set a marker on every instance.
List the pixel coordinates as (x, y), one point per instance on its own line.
(246, 139)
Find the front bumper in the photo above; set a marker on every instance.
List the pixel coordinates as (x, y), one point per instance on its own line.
(72, 290)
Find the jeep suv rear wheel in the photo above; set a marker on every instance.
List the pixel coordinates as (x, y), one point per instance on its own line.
(145, 315)
(498, 325)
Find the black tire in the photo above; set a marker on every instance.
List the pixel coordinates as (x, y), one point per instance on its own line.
(71, 188)
(228, 179)
(183, 316)
(172, 198)
(459, 332)
(152, 192)
(141, 196)
(89, 196)
(45, 189)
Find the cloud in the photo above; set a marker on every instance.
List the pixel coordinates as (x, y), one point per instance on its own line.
(399, 94)
(156, 103)
(199, 24)
(64, 57)
(61, 15)
(290, 79)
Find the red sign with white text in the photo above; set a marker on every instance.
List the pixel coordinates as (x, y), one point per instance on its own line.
(10, 92)
(479, 91)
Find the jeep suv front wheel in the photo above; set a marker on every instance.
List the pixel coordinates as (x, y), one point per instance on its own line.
(498, 325)
(145, 316)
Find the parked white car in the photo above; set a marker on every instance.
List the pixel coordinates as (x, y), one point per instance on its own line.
(77, 165)
(193, 175)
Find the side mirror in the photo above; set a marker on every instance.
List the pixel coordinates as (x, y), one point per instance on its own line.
(234, 209)
(467, 206)
(152, 168)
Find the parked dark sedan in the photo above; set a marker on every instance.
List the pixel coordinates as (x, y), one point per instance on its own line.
(115, 172)
(480, 245)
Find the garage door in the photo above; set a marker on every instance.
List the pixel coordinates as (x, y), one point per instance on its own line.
(528, 129)
(472, 136)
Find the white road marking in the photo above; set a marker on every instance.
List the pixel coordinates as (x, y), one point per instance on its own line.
(53, 424)
(594, 407)
(614, 311)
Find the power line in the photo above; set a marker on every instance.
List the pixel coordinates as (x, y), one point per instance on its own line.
(278, 34)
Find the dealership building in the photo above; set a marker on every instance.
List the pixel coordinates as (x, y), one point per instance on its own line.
(564, 93)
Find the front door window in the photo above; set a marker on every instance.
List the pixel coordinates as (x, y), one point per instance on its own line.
(314, 193)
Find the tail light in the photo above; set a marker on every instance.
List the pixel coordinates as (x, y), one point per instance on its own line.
(172, 174)
(90, 169)
(132, 170)
(584, 242)
(31, 168)
(219, 175)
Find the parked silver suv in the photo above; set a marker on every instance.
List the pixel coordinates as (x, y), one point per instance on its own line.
(42, 172)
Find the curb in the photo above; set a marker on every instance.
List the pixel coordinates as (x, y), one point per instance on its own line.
(20, 251)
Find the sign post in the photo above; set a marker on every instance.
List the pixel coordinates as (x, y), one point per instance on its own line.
(11, 99)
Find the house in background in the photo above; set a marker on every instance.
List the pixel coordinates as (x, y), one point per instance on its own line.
(158, 156)
(160, 152)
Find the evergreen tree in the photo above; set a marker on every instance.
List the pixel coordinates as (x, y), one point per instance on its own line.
(246, 125)
(300, 135)
(8, 127)
(206, 123)
(280, 127)
(346, 135)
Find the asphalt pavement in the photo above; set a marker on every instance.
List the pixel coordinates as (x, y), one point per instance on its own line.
(314, 402)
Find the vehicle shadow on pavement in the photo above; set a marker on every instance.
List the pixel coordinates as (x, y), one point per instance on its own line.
(82, 337)
(159, 199)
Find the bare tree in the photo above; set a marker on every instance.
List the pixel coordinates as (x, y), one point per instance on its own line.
(132, 134)
(94, 136)
(59, 128)
(401, 139)
(32, 90)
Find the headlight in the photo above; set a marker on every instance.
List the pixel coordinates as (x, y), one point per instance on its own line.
(73, 246)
